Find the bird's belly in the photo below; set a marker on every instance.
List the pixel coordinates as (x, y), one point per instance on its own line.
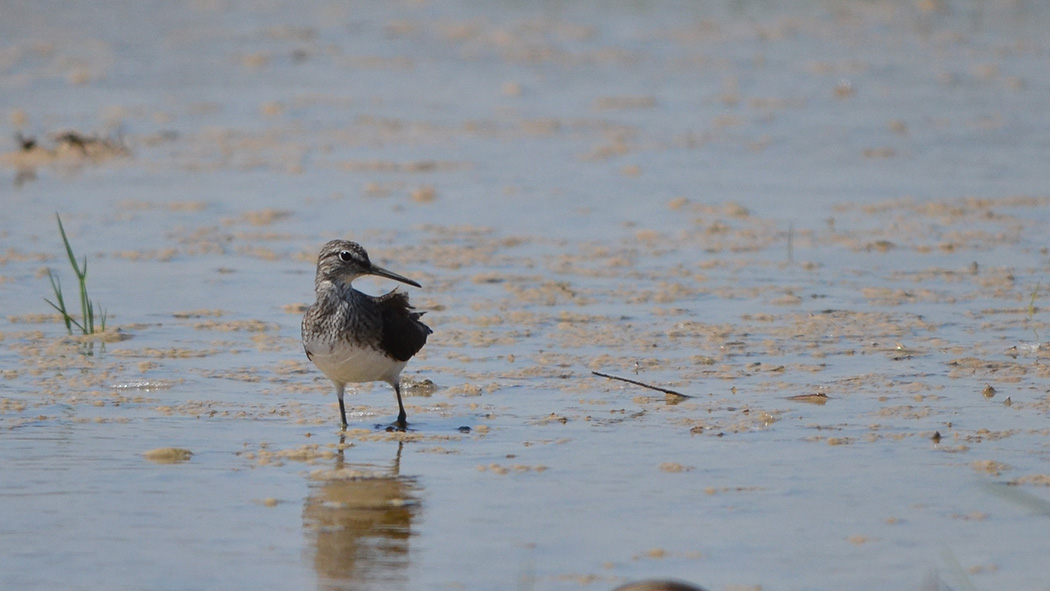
(348, 364)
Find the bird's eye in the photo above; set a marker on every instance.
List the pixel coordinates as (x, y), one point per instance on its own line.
(345, 256)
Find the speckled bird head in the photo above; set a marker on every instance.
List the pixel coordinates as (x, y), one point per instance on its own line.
(342, 261)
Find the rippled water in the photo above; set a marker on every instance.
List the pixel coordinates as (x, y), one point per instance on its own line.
(824, 224)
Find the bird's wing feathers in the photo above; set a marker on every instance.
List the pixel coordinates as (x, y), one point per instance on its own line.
(403, 334)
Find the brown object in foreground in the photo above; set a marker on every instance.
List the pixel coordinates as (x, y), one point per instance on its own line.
(658, 585)
(818, 398)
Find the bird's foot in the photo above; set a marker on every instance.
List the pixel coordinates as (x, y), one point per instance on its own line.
(395, 427)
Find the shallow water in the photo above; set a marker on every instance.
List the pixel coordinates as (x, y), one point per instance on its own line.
(741, 203)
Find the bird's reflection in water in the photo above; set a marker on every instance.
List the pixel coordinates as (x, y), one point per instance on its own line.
(358, 523)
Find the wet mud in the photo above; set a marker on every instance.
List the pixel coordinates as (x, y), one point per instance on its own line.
(831, 249)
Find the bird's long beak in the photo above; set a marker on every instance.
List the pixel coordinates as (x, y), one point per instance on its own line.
(380, 271)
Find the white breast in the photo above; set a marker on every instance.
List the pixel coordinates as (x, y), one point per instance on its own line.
(349, 364)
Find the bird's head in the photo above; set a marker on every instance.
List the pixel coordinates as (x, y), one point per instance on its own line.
(342, 261)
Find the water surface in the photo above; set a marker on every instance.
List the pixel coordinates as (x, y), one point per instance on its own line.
(742, 203)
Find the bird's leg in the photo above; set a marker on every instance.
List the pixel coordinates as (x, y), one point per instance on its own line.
(339, 389)
(402, 423)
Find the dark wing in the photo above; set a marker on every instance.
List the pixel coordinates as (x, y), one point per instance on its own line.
(403, 334)
(305, 326)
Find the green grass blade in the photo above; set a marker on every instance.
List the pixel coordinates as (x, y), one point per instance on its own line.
(69, 249)
(85, 302)
(69, 320)
(87, 307)
(56, 285)
(90, 323)
(65, 316)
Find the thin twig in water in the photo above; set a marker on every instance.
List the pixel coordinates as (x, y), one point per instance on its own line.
(642, 384)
